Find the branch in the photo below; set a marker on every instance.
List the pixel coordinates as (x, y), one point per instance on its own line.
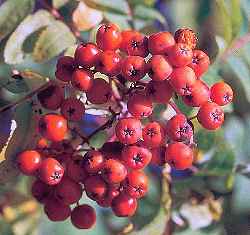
(174, 106)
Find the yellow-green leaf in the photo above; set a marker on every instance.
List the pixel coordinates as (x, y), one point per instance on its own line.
(59, 3)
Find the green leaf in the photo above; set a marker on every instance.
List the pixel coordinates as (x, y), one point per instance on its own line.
(121, 20)
(98, 139)
(11, 13)
(13, 52)
(59, 3)
(52, 41)
(236, 17)
(118, 6)
(146, 13)
(206, 139)
(6, 228)
(200, 232)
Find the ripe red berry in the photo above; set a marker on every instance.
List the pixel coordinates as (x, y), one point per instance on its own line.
(75, 171)
(133, 68)
(159, 43)
(153, 134)
(159, 92)
(72, 109)
(159, 68)
(137, 184)
(200, 62)
(126, 38)
(65, 68)
(100, 92)
(42, 143)
(186, 36)
(51, 97)
(53, 127)
(128, 130)
(112, 192)
(136, 157)
(95, 187)
(180, 55)
(124, 205)
(86, 55)
(109, 63)
(41, 191)
(56, 211)
(93, 161)
(182, 80)
(108, 37)
(221, 93)
(83, 217)
(139, 106)
(112, 149)
(114, 171)
(82, 79)
(200, 94)
(210, 116)
(29, 162)
(158, 156)
(179, 155)
(178, 128)
(51, 171)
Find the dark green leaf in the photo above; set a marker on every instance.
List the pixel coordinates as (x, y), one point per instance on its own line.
(98, 139)
(52, 41)
(12, 12)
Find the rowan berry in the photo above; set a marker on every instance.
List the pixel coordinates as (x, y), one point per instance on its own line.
(72, 109)
(93, 161)
(75, 170)
(65, 68)
(179, 155)
(159, 68)
(186, 36)
(42, 143)
(136, 157)
(221, 93)
(124, 205)
(112, 192)
(51, 171)
(210, 116)
(29, 162)
(158, 156)
(159, 43)
(112, 150)
(41, 191)
(100, 92)
(82, 79)
(108, 37)
(128, 130)
(53, 127)
(83, 217)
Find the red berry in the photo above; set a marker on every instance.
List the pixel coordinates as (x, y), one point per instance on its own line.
(65, 68)
(93, 161)
(200, 62)
(182, 80)
(114, 171)
(133, 68)
(82, 79)
(210, 116)
(128, 130)
(153, 134)
(86, 55)
(159, 68)
(124, 205)
(137, 184)
(29, 162)
(75, 171)
(51, 171)
(83, 217)
(140, 106)
(159, 92)
(136, 157)
(126, 38)
(158, 156)
(63, 146)
(42, 143)
(51, 97)
(159, 43)
(53, 127)
(56, 211)
(178, 128)
(200, 94)
(180, 55)
(113, 191)
(186, 36)
(112, 149)
(73, 109)
(221, 93)
(100, 92)
(41, 191)
(108, 37)
(109, 63)
(179, 155)
(95, 187)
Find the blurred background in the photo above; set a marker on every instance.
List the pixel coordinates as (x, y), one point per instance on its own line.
(211, 199)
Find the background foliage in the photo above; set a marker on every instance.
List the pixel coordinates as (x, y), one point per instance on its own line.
(213, 197)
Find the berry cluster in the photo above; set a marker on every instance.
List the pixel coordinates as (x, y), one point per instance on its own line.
(113, 175)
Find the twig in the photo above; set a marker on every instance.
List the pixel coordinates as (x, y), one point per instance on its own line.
(193, 117)
(174, 106)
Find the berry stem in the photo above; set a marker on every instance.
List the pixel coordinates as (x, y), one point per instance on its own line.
(174, 106)
(191, 118)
